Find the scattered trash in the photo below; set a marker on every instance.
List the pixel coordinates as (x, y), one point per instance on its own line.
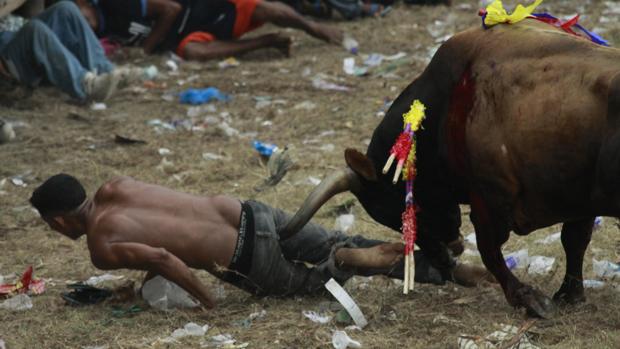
(549, 239)
(316, 317)
(471, 238)
(7, 133)
(598, 222)
(164, 151)
(347, 302)
(163, 294)
(228, 63)
(313, 180)
(327, 147)
(158, 123)
(150, 72)
(517, 260)
(540, 265)
(172, 65)
(349, 67)
(26, 284)
(2, 344)
(98, 106)
(264, 149)
(322, 84)
(509, 337)
(374, 59)
(247, 322)
(305, 105)
(222, 340)
(344, 222)
(190, 329)
(277, 167)
(85, 295)
(340, 340)
(17, 303)
(18, 182)
(228, 130)
(211, 156)
(119, 312)
(127, 141)
(605, 269)
(200, 96)
(198, 110)
(96, 280)
(350, 44)
(593, 284)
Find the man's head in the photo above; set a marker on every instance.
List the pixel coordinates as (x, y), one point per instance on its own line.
(60, 201)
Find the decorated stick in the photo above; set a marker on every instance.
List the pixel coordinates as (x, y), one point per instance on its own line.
(404, 151)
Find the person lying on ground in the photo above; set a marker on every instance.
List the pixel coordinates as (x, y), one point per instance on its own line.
(348, 9)
(199, 30)
(135, 225)
(59, 47)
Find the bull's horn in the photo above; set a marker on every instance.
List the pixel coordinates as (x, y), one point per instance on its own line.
(335, 183)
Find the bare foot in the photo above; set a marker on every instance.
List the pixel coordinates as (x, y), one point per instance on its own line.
(380, 256)
(469, 275)
(280, 42)
(329, 34)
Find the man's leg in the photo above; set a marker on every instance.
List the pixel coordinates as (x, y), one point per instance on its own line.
(283, 15)
(67, 22)
(35, 53)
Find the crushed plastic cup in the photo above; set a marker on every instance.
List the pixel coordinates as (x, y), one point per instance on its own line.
(316, 317)
(605, 269)
(340, 340)
(7, 133)
(162, 294)
(517, 260)
(97, 280)
(540, 265)
(598, 222)
(17, 303)
(344, 222)
(190, 329)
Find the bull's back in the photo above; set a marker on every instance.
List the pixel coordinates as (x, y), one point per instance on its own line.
(538, 120)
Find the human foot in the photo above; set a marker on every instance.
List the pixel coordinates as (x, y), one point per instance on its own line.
(102, 86)
(471, 275)
(380, 256)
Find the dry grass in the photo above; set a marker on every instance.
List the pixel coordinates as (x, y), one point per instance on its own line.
(54, 142)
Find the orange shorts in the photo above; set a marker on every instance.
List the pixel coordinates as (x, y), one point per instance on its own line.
(243, 23)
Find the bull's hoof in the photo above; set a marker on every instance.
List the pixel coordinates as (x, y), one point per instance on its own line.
(536, 303)
(568, 295)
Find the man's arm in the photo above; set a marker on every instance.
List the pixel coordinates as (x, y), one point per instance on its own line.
(131, 255)
(284, 16)
(202, 51)
(163, 13)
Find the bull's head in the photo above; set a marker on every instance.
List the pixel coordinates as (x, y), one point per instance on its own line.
(382, 200)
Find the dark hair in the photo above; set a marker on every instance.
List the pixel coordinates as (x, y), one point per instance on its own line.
(59, 194)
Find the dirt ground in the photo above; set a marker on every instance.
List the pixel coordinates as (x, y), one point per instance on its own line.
(273, 100)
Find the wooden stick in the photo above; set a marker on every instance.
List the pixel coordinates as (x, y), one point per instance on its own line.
(388, 163)
(399, 169)
(406, 278)
(517, 338)
(411, 271)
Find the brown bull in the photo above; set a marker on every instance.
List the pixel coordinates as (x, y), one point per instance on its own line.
(522, 124)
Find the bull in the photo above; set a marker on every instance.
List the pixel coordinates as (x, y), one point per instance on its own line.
(522, 124)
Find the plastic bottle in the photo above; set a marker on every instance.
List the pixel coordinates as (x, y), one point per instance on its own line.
(350, 44)
(517, 260)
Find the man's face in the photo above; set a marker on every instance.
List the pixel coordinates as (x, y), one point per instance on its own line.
(66, 225)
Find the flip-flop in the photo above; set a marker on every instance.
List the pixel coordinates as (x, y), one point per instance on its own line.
(85, 295)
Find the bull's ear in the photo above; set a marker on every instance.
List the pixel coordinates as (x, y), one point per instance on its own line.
(360, 164)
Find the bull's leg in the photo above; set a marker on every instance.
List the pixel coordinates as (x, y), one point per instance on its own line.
(575, 239)
(491, 234)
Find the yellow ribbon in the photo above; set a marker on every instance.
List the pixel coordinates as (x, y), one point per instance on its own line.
(415, 115)
(497, 14)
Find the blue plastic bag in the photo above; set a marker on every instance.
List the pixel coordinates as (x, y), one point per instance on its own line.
(200, 96)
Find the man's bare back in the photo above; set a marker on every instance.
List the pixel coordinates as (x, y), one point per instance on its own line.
(201, 231)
